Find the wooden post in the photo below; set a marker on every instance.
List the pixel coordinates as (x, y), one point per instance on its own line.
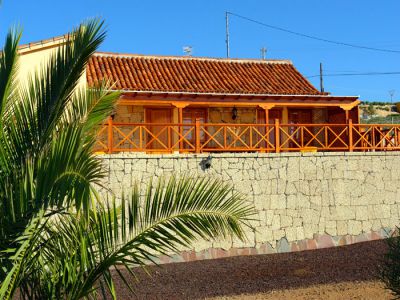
(277, 136)
(180, 106)
(110, 135)
(267, 107)
(266, 110)
(347, 116)
(180, 121)
(350, 125)
(197, 138)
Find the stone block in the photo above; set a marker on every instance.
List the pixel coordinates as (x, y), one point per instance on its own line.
(286, 221)
(278, 201)
(342, 228)
(278, 234)
(291, 234)
(354, 227)
(361, 213)
(276, 222)
(283, 246)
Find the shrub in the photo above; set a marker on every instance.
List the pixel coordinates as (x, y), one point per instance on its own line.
(390, 267)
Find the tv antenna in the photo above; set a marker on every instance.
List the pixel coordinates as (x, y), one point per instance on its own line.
(263, 51)
(188, 50)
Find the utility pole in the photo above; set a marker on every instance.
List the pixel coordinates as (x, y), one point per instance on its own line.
(391, 93)
(227, 34)
(263, 53)
(321, 78)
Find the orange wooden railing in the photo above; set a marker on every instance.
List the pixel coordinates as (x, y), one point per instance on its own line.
(206, 137)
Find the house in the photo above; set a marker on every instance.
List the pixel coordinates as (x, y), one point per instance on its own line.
(236, 104)
(201, 105)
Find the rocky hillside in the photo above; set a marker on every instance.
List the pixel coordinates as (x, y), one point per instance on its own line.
(379, 113)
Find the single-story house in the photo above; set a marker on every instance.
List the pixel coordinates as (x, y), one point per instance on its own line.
(236, 104)
(200, 105)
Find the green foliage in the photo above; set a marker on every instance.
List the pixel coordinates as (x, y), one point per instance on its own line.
(390, 266)
(170, 215)
(371, 109)
(58, 239)
(392, 118)
(376, 103)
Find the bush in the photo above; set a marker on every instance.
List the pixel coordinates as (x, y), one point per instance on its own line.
(371, 109)
(390, 267)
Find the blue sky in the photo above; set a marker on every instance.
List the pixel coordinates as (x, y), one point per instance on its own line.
(164, 27)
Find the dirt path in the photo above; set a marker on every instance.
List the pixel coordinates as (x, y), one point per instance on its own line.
(368, 290)
(348, 272)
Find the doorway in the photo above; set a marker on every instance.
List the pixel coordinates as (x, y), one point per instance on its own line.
(190, 115)
(158, 137)
(300, 116)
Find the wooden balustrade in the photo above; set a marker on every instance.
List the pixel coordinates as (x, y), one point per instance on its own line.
(206, 137)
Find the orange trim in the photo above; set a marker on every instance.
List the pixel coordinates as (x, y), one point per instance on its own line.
(157, 103)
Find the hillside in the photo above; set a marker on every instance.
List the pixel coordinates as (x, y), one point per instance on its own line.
(379, 113)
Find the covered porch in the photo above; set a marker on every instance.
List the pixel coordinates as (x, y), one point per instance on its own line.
(154, 124)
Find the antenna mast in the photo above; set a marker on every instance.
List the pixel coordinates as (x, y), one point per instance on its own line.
(321, 78)
(263, 53)
(227, 33)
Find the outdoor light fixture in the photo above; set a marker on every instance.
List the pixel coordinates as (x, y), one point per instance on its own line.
(206, 163)
(234, 113)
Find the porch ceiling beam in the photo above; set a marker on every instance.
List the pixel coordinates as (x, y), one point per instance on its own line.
(189, 95)
(345, 106)
(237, 97)
(267, 106)
(210, 100)
(350, 106)
(180, 104)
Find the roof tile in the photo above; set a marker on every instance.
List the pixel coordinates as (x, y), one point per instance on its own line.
(198, 75)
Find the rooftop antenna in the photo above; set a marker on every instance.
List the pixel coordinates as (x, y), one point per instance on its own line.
(188, 50)
(321, 78)
(227, 34)
(263, 53)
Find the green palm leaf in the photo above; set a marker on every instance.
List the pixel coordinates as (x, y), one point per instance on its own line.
(58, 238)
(172, 215)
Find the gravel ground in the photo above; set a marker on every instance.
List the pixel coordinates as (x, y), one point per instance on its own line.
(367, 290)
(317, 274)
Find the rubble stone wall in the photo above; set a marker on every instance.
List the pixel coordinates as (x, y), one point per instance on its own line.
(304, 200)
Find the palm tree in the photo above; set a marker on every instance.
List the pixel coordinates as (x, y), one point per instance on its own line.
(58, 238)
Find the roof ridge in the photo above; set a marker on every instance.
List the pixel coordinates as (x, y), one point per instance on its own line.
(43, 42)
(201, 58)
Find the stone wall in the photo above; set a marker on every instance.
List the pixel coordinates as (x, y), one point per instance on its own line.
(224, 115)
(304, 200)
(129, 114)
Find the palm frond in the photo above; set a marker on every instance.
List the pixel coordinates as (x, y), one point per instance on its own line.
(91, 107)
(173, 214)
(8, 67)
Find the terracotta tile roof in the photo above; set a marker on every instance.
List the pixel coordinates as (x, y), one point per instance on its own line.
(198, 75)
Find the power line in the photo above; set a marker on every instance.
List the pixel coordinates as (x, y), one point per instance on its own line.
(357, 74)
(313, 37)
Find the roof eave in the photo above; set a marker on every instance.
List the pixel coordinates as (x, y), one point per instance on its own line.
(235, 95)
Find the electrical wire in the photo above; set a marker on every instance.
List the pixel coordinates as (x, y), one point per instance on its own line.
(311, 36)
(356, 74)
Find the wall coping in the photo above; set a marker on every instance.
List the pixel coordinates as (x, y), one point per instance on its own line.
(131, 155)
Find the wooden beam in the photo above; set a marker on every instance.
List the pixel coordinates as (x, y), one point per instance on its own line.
(180, 104)
(350, 106)
(267, 106)
(236, 98)
(233, 103)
